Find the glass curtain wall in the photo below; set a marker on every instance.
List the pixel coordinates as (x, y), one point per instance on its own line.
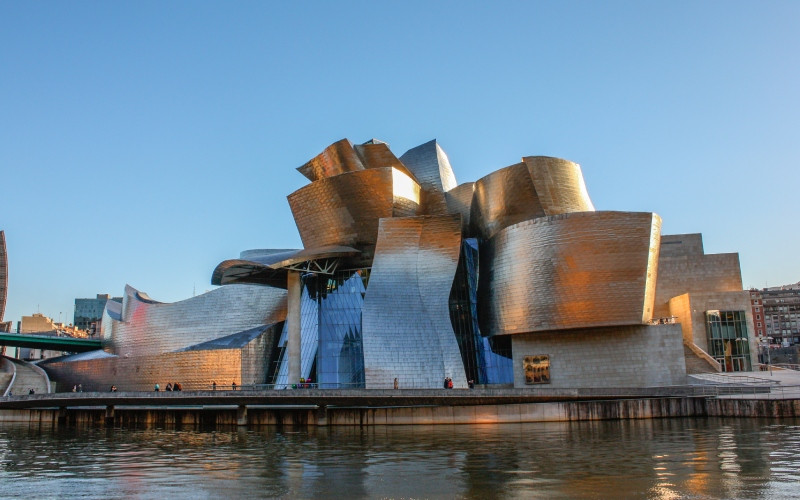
(728, 340)
(340, 358)
(486, 361)
(331, 351)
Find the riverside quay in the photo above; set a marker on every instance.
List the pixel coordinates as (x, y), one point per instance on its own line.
(409, 280)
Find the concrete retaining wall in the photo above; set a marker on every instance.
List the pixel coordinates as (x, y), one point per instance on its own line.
(431, 415)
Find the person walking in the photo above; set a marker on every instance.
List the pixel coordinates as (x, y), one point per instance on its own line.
(157, 387)
(396, 383)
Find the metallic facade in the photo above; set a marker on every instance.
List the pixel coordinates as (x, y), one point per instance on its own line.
(338, 158)
(407, 333)
(570, 271)
(539, 186)
(345, 209)
(459, 201)
(180, 325)
(429, 164)
(405, 275)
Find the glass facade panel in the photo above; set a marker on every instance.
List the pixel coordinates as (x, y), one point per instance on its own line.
(485, 362)
(331, 351)
(728, 340)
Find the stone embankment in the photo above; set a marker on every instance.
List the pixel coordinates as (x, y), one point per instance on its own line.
(429, 407)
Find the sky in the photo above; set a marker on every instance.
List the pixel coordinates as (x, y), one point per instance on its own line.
(143, 143)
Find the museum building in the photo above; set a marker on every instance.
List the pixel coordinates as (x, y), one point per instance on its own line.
(407, 278)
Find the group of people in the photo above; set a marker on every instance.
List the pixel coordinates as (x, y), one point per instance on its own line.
(448, 383)
(170, 387)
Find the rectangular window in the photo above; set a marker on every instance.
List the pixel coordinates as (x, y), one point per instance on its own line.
(727, 337)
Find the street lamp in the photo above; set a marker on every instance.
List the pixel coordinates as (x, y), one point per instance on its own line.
(765, 345)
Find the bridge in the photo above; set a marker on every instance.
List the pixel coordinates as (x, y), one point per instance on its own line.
(48, 342)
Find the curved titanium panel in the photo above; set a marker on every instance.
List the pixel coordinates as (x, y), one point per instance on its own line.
(559, 185)
(576, 270)
(345, 210)
(148, 328)
(3, 274)
(538, 187)
(459, 201)
(407, 333)
(431, 167)
(502, 198)
(338, 158)
(376, 154)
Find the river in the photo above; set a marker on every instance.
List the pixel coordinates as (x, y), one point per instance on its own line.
(666, 458)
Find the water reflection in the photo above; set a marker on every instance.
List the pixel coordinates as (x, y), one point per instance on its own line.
(670, 458)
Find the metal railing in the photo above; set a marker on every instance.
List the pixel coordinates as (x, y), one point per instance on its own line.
(787, 366)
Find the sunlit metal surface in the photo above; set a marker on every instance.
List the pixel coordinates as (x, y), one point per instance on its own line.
(376, 154)
(459, 201)
(338, 158)
(407, 333)
(559, 185)
(502, 198)
(148, 328)
(345, 209)
(538, 187)
(430, 166)
(569, 271)
(3, 274)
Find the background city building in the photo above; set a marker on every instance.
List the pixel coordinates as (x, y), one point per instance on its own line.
(778, 310)
(89, 312)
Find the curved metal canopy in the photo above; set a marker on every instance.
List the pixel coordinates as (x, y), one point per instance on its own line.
(269, 267)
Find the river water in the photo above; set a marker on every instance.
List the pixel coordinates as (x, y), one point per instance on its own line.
(667, 458)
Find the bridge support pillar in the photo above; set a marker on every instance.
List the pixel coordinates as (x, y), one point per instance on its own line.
(322, 415)
(110, 416)
(241, 415)
(62, 415)
(293, 331)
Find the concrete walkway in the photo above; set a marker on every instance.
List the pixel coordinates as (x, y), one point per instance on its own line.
(784, 384)
(28, 377)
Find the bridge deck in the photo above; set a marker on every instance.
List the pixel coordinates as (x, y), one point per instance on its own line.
(67, 344)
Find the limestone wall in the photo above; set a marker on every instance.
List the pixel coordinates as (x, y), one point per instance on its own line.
(627, 356)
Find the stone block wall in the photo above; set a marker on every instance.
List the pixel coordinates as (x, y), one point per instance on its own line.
(626, 356)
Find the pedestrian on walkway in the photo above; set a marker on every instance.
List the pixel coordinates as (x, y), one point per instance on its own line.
(157, 387)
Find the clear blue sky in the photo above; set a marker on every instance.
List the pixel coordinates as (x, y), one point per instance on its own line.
(145, 142)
